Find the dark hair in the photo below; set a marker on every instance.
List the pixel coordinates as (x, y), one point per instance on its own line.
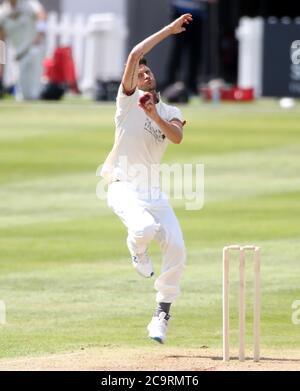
(143, 61)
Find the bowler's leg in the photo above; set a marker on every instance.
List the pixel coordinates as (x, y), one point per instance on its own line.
(168, 283)
(171, 242)
(140, 224)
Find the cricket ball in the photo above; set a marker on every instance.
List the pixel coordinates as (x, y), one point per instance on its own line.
(145, 98)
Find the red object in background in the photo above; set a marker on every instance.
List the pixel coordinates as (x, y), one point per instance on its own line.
(230, 94)
(61, 68)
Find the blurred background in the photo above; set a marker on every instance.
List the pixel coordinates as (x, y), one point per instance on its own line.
(226, 55)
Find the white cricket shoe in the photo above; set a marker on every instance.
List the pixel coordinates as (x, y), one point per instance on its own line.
(143, 265)
(158, 326)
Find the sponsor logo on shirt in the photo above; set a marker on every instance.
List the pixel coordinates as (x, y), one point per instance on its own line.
(154, 131)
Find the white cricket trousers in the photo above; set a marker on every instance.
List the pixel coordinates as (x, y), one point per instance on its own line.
(147, 218)
(30, 73)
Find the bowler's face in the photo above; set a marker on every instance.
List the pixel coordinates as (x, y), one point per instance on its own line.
(146, 79)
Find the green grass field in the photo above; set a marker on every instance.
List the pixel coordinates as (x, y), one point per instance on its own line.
(65, 273)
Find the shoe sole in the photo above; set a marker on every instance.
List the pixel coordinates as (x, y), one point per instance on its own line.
(143, 275)
(157, 339)
(134, 264)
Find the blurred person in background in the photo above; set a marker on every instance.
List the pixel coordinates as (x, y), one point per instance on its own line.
(188, 46)
(23, 26)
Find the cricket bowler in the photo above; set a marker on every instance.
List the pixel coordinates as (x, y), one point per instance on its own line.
(144, 128)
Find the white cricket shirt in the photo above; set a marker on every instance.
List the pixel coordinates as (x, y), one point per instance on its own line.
(139, 143)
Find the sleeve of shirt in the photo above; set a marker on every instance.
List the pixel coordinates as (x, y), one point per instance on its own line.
(175, 113)
(124, 101)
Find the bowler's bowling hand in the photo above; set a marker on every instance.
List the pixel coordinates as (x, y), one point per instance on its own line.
(178, 26)
(146, 103)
